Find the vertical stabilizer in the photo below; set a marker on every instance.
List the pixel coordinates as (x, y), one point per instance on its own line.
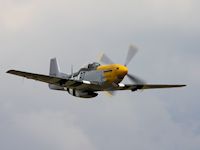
(54, 67)
(55, 71)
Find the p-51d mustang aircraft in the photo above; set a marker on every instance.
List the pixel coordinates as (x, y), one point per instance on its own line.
(93, 78)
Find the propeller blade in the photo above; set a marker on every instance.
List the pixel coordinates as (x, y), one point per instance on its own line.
(110, 93)
(105, 59)
(135, 79)
(131, 53)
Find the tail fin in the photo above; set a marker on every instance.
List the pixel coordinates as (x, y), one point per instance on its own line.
(54, 67)
(55, 71)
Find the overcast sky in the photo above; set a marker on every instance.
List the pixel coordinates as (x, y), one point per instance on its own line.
(167, 33)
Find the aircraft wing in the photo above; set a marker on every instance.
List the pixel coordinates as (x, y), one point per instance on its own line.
(135, 87)
(87, 85)
(62, 82)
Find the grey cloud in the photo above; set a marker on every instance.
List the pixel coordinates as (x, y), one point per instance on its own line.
(41, 130)
(167, 33)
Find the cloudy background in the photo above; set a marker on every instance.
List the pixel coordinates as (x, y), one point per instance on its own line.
(76, 31)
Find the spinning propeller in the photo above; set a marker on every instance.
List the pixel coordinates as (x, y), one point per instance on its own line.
(131, 53)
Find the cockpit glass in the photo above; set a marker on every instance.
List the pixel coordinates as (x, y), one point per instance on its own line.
(96, 64)
(93, 65)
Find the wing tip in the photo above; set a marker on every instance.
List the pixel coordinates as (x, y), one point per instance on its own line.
(180, 85)
(9, 71)
(183, 85)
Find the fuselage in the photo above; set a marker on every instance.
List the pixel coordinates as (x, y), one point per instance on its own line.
(104, 74)
(108, 76)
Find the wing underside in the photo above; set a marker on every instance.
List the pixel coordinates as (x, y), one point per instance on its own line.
(134, 87)
(62, 82)
(86, 85)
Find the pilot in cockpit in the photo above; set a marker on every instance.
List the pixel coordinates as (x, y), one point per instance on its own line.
(93, 65)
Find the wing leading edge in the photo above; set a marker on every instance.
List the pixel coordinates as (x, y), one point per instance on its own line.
(62, 82)
(134, 87)
(86, 85)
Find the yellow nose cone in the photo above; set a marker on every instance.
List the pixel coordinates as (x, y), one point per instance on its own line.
(122, 70)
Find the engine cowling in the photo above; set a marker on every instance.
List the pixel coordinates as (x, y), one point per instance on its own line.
(78, 93)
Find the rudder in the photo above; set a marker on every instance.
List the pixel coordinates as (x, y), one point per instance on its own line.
(54, 71)
(54, 67)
